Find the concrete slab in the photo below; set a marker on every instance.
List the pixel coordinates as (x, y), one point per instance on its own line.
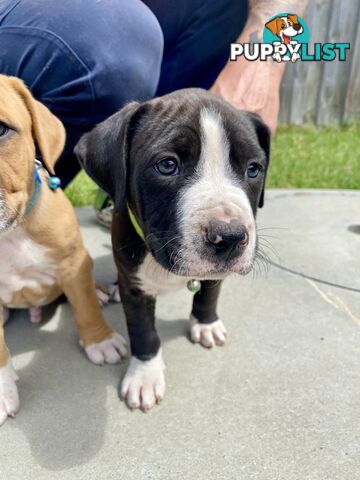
(280, 401)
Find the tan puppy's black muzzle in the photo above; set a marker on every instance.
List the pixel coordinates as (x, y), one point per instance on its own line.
(227, 239)
(297, 27)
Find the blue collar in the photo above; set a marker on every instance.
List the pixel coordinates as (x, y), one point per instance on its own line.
(37, 189)
(52, 181)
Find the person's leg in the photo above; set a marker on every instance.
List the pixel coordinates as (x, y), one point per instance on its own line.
(83, 59)
(197, 37)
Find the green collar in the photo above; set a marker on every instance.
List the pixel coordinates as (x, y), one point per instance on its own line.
(135, 223)
(192, 285)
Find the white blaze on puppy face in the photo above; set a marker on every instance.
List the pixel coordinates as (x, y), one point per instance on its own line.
(215, 193)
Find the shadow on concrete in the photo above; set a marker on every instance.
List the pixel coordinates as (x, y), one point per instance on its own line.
(63, 396)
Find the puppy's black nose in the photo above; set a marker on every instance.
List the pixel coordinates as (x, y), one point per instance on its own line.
(297, 27)
(227, 239)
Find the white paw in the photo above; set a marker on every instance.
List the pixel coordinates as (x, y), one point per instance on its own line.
(144, 383)
(35, 314)
(111, 350)
(114, 293)
(9, 398)
(102, 295)
(208, 334)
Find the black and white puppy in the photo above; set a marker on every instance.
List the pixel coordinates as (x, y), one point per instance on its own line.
(186, 172)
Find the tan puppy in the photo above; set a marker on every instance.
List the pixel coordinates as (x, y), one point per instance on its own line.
(41, 251)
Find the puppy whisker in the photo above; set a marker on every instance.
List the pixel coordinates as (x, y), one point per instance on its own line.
(271, 228)
(265, 243)
(167, 243)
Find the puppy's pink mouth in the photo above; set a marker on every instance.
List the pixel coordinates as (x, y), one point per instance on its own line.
(286, 38)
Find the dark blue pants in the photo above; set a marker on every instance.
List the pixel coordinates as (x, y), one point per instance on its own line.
(85, 58)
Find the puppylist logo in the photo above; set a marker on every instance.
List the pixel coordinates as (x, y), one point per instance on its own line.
(286, 39)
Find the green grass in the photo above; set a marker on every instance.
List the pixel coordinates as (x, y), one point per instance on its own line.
(82, 190)
(309, 157)
(302, 157)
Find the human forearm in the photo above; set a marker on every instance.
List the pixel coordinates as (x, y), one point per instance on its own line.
(261, 10)
(255, 85)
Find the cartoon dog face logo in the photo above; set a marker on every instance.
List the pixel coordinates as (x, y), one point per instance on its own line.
(285, 27)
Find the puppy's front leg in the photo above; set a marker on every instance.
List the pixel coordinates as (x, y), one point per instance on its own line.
(206, 328)
(144, 382)
(9, 398)
(98, 339)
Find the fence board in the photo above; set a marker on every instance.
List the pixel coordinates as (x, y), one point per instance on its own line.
(325, 92)
(352, 101)
(307, 78)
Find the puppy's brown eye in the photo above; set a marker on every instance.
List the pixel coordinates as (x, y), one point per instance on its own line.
(253, 170)
(168, 166)
(3, 130)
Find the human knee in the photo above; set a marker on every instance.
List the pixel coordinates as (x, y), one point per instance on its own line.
(129, 68)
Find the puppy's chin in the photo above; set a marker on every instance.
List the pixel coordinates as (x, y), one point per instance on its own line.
(194, 266)
(217, 271)
(7, 222)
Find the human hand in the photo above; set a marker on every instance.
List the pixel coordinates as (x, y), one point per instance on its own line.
(252, 85)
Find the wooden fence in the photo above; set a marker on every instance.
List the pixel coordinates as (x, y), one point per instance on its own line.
(326, 93)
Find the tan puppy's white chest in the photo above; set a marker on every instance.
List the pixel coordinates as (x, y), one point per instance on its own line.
(24, 264)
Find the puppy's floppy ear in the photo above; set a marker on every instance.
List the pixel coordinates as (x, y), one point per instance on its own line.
(264, 138)
(47, 130)
(293, 18)
(103, 153)
(273, 25)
